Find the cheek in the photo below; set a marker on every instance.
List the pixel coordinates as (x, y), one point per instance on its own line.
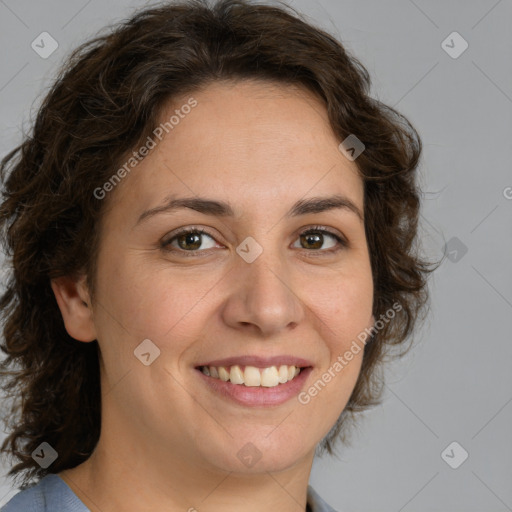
(344, 306)
(152, 301)
(342, 309)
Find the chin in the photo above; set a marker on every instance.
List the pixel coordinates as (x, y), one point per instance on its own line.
(258, 453)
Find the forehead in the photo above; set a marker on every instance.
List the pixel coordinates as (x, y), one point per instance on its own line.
(245, 142)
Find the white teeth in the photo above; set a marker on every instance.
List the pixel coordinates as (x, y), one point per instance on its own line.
(269, 377)
(252, 376)
(235, 375)
(223, 374)
(283, 374)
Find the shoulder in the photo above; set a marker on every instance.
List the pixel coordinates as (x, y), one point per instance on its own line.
(32, 499)
(316, 503)
(51, 493)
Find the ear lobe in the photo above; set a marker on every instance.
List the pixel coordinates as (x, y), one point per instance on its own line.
(74, 303)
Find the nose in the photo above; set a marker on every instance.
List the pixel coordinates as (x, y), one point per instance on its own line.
(263, 298)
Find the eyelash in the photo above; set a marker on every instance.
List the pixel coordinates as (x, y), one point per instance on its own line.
(315, 229)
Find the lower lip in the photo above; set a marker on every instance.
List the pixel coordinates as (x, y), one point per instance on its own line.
(257, 396)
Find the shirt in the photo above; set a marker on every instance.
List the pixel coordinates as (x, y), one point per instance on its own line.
(52, 494)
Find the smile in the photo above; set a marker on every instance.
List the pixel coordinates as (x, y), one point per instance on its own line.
(252, 376)
(252, 386)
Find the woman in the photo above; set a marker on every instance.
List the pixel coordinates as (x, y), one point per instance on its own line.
(212, 234)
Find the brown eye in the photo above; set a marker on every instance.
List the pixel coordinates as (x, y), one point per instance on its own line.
(314, 240)
(188, 240)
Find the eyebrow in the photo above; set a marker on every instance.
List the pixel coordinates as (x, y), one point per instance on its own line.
(223, 209)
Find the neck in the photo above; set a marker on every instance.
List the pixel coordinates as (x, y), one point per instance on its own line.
(130, 477)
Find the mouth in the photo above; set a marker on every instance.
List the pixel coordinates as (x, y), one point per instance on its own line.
(255, 381)
(252, 376)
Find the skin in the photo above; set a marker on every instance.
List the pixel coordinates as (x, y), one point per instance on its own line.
(167, 441)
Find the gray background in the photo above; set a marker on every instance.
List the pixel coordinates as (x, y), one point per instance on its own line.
(456, 385)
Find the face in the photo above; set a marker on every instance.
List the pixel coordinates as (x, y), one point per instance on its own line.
(261, 280)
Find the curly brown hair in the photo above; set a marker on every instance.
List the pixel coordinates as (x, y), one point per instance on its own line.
(106, 100)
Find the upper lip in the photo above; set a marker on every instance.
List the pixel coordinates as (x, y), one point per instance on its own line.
(259, 361)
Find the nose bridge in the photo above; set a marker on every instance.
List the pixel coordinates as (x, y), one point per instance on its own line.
(263, 293)
(267, 281)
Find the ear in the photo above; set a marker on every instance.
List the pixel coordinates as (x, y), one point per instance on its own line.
(75, 306)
